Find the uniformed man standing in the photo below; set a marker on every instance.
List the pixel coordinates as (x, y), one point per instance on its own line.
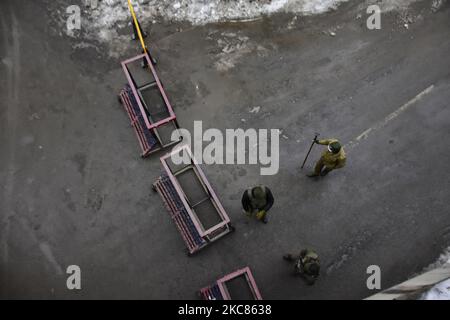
(307, 265)
(332, 158)
(257, 201)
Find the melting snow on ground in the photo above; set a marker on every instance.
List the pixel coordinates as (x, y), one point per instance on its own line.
(440, 291)
(206, 11)
(102, 20)
(443, 259)
(109, 12)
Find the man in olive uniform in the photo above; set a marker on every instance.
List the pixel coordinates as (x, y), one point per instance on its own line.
(307, 265)
(258, 201)
(332, 158)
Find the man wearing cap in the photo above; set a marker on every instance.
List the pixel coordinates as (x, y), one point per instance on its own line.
(307, 265)
(258, 201)
(331, 159)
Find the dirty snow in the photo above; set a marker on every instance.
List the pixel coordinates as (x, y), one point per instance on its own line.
(102, 21)
(198, 12)
(233, 46)
(109, 12)
(443, 259)
(390, 5)
(440, 291)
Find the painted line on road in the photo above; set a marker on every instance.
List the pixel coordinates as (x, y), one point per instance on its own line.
(389, 118)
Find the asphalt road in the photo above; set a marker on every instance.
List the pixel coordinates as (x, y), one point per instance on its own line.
(75, 191)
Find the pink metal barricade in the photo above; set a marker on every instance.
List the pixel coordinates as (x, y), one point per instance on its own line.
(220, 290)
(138, 109)
(186, 213)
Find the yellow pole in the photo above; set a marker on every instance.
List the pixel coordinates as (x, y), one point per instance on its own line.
(130, 6)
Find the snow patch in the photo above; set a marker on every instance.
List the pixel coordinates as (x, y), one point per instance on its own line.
(233, 47)
(110, 13)
(102, 22)
(443, 259)
(198, 12)
(440, 291)
(391, 5)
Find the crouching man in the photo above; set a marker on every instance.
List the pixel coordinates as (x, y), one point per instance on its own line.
(307, 265)
(257, 201)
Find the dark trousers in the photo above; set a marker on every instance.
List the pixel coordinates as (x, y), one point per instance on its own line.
(321, 169)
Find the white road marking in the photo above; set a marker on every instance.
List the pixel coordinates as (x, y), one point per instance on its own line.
(389, 118)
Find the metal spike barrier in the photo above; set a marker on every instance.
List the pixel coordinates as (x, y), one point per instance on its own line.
(219, 290)
(136, 107)
(146, 138)
(194, 234)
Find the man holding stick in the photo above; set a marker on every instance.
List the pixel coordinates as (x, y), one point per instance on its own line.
(332, 158)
